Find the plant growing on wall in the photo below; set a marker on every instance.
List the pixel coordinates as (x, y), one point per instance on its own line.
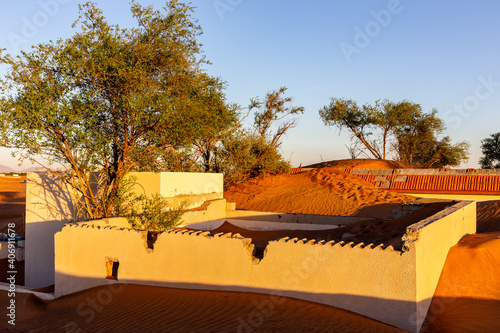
(154, 213)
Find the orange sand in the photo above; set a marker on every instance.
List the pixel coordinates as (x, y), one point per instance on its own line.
(363, 164)
(325, 191)
(467, 298)
(134, 308)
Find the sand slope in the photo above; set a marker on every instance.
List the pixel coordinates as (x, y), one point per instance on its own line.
(488, 216)
(467, 298)
(134, 308)
(324, 191)
(363, 164)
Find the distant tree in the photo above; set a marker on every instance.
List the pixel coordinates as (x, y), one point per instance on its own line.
(345, 113)
(401, 128)
(273, 109)
(246, 153)
(491, 152)
(108, 99)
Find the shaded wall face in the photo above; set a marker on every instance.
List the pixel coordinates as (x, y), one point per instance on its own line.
(387, 285)
(49, 206)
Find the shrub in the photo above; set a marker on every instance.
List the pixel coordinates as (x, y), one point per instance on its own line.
(154, 213)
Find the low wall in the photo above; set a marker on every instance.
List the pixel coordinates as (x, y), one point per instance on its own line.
(213, 210)
(437, 182)
(391, 286)
(450, 196)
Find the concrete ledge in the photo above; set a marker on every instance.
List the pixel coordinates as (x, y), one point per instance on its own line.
(294, 218)
(259, 225)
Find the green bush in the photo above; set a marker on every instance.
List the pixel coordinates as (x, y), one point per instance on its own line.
(248, 155)
(154, 213)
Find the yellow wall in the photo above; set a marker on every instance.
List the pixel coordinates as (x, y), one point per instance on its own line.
(49, 206)
(196, 188)
(434, 241)
(391, 286)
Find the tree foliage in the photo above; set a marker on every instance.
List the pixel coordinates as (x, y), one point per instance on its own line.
(345, 113)
(108, 99)
(273, 109)
(491, 152)
(402, 129)
(247, 153)
(154, 213)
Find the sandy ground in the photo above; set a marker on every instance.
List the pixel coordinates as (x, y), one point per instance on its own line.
(467, 298)
(134, 308)
(488, 216)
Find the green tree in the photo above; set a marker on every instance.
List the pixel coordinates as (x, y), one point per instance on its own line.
(272, 109)
(345, 113)
(244, 153)
(108, 98)
(401, 128)
(491, 152)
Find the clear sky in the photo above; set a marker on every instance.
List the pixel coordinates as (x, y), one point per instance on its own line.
(441, 54)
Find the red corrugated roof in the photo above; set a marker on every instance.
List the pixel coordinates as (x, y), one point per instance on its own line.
(487, 184)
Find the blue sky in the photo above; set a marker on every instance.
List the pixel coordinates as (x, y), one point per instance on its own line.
(441, 54)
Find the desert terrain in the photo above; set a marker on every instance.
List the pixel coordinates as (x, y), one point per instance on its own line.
(12, 209)
(467, 298)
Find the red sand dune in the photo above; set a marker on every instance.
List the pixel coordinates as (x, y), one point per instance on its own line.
(324, 191)
(363, 164)
(134, 308)
(467, 298)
